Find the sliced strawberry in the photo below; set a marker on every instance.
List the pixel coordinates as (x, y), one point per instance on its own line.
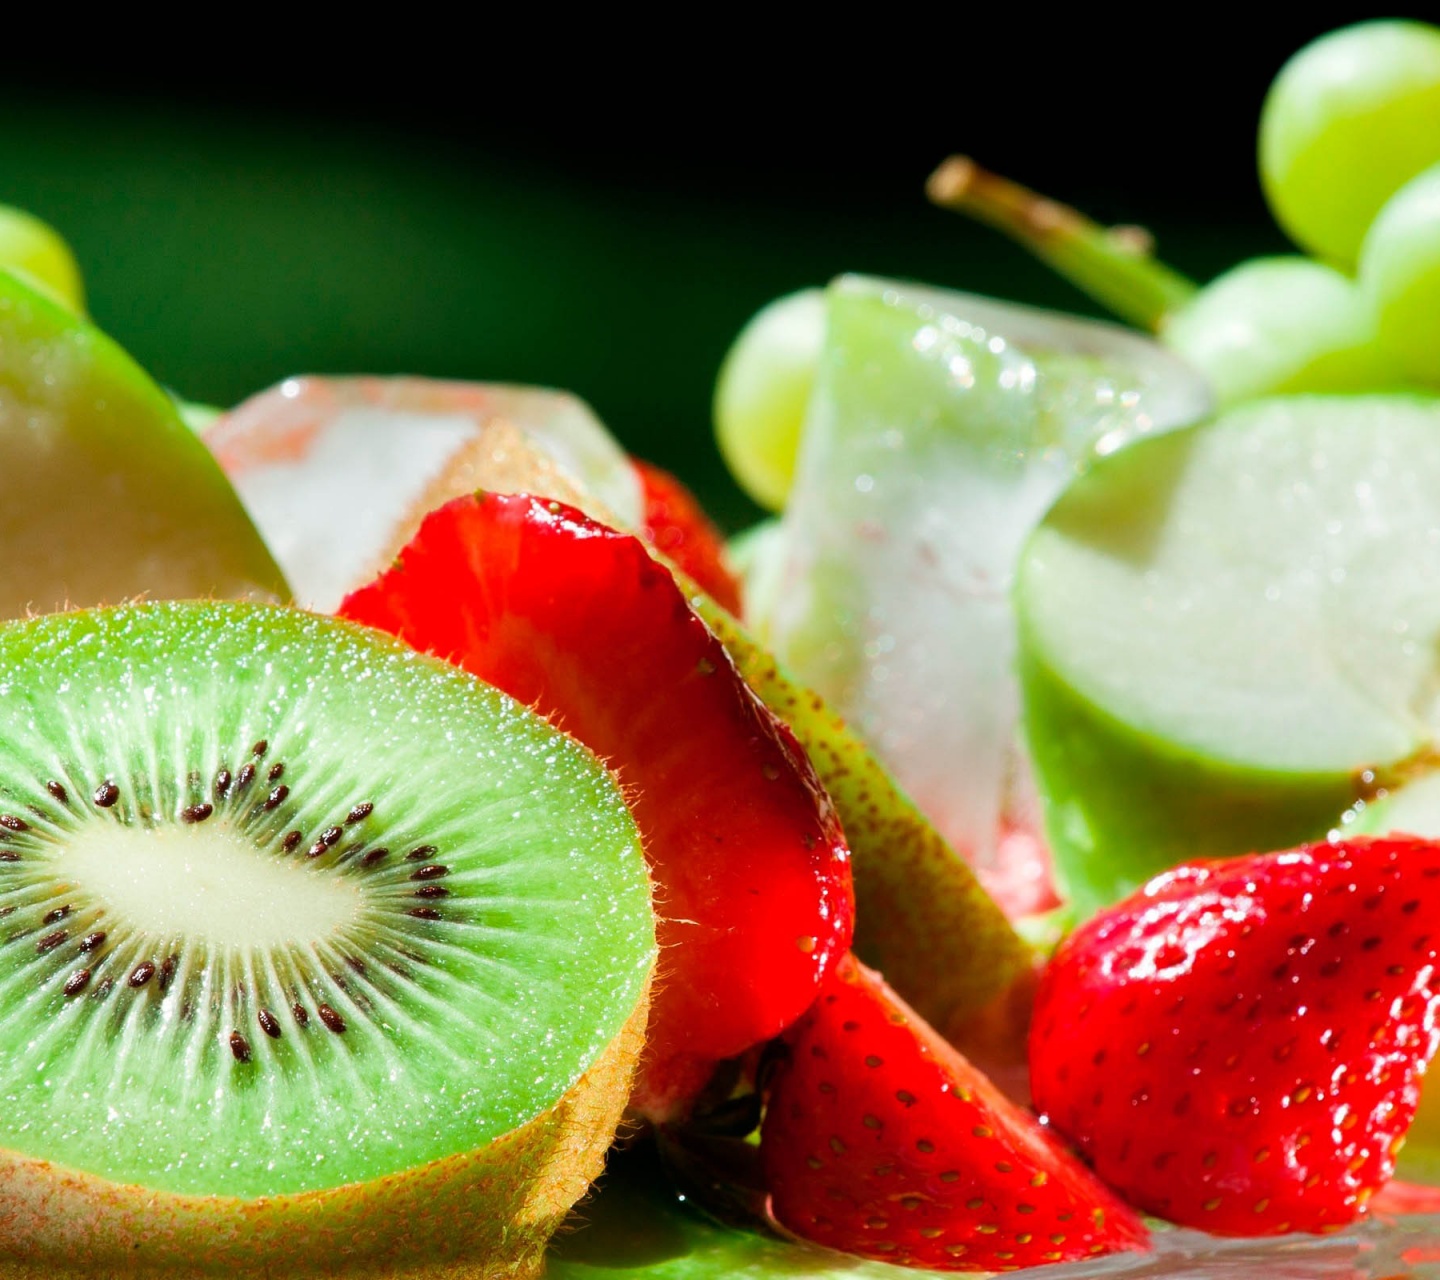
(675, 523)
(882, 1140)
(1237, 1047)
(577, 620)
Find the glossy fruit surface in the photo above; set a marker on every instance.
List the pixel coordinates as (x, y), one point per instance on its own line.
(1216, 650)
(369, 444)
(1281, 325)
(942, 427)
(882, 1140)
(762, 394)
(1349, 120)
(1400, 276)
(675, 524)
(378, 932)
(1238, 1046)
(922, 915)
(578, 621)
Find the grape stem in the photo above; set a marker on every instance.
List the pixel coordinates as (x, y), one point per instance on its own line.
(1114, 265)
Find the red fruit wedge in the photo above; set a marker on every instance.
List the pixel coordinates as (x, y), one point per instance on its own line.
(1237, 1047)
(880, 1139)
(676, 525)
(753, 875)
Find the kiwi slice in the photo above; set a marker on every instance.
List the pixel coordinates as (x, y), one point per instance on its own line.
(316, 954)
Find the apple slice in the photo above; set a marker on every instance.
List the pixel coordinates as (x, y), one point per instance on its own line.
(109, 495)
(339, 472)
(1229, 634)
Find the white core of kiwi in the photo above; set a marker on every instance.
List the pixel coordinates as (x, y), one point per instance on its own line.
(208, 884)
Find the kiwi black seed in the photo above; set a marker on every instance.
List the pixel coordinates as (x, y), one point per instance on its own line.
(213, 987)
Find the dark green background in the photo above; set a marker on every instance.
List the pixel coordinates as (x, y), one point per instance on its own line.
(229, 240)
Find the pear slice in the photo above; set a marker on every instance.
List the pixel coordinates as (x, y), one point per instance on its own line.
(108, 494)
(1229, 634)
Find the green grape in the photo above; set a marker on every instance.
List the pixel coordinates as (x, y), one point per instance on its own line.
(1277, 325)
(762, 392)
(1349, 120)
(1400, 274)
(34, 250)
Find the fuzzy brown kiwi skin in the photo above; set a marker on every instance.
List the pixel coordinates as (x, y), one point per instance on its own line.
(481, 1215)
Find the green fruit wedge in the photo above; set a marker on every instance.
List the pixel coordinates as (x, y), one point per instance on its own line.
(1229, 633)
(109, 495)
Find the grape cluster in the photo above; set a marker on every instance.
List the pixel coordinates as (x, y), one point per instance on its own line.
(1350, 164)
(1349, 153)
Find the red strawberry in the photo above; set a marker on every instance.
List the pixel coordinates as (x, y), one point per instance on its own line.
(579, 621)
(675, 523)
(882, 1140)
(1238, 1046)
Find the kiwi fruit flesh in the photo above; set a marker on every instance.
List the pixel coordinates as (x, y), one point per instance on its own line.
(112, 496)
(317, 955)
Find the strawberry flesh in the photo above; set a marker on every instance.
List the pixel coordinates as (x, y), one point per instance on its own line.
(880, 1139)
(675, 524)
(1238, 1046)
(753, 892)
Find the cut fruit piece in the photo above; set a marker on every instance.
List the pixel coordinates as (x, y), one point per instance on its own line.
(1219, 653)
(578, 621)
(882, 1140)
(941, 428)
(1237, 1046)
(926, 923)
(387, 450)
(675, 524)
(923, 918)
(317, 954)
(639, 1226)
(112, 496)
